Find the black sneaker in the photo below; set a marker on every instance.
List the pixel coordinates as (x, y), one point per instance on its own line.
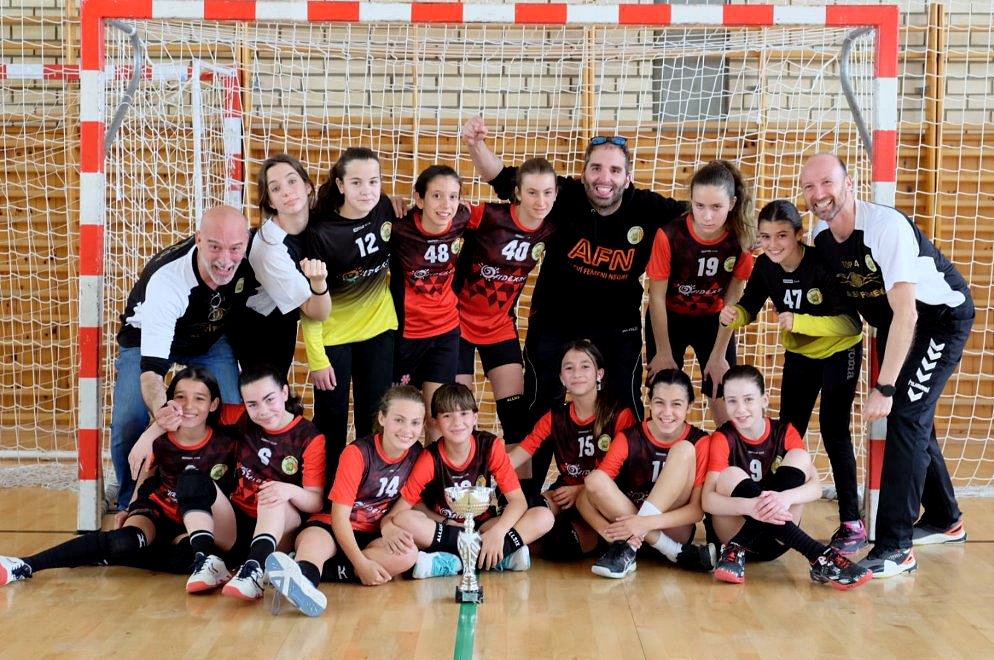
(731, 567)
(617, 562)
(700, 558)
(888, 563)
(834, 569)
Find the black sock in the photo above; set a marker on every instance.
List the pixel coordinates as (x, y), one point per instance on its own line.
(202, 541)
(446, 539)
(512, 413)
(262, 546)
(111, 547)
(796, 538)
(310, 572)
(338, 569)
(787, 477)
(512, 541)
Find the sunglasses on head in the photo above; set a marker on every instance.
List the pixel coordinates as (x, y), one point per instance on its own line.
(618, 140)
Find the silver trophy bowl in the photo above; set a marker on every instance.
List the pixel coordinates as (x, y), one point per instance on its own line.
(469, 502)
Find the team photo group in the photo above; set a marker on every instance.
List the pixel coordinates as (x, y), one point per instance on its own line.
(221, 476)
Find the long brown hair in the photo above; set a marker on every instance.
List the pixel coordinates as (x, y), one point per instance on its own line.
(724, 174)
(606, 406)
(265, 205)
(330, 198)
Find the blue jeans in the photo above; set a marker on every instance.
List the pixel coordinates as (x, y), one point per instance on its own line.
(129, 417)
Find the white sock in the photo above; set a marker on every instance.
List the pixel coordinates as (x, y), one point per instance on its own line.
(667, 546)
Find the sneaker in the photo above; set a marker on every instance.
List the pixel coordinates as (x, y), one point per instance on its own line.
(849, 538)
(247, 583)
(731, 566)
(923, 534)
(700, 558)
(284, 574)
(209, 572)
(13, 569)
(617, 562)
(888, 563)
(436, 564)
(834, 569)
(519, 560)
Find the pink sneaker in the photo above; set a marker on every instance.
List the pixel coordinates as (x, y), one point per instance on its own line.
(849, 538)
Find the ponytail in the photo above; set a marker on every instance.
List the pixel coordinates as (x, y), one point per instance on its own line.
(723, 174)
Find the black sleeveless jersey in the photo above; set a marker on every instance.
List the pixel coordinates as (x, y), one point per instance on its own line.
(646, 459)
(380, 484)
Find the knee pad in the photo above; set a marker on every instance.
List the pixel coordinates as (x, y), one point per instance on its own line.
(746, 488)
(446, 539)
(123, 544)
(562, 543)
(195, 491)
(787, 477)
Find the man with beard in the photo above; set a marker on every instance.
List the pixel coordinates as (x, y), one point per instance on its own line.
(921, 307)
(589, 284)
(177, 312)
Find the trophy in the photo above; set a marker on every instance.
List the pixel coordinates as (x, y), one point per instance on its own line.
(468, 502)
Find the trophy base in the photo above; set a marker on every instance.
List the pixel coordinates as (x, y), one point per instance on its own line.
(469, 596)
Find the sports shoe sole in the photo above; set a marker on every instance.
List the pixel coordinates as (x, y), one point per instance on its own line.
(292, 591)
(907, 566)
(940, 538)
(234, 592)
(846, 587)
(604, 571)
(728, 576)
(850, 549)
(200, 587)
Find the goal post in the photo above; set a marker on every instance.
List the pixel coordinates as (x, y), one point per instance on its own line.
(752, 83)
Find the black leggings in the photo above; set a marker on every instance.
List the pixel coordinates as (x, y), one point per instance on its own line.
(368, 365)
(836, 377)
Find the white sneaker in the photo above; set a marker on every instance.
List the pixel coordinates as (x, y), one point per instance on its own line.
(209, 572)
(519, 560)
(247, 583)
(13, 569)
(436, 564)
(284, 574)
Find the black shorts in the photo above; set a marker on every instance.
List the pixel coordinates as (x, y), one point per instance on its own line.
(431, 360)
(698, 332)
(166, 529)
(491, 355)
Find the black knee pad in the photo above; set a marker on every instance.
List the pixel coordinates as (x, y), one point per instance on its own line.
(512, 413)
(195, 491)
(746, 488)
(122, 545)
(787, 477)
(446, 539)
(562, 543)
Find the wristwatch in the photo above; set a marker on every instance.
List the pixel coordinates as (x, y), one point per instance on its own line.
(886, 390)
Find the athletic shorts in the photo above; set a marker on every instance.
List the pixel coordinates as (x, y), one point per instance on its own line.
(165, 527)
(491, 355)
(430, 360)
(699, 332)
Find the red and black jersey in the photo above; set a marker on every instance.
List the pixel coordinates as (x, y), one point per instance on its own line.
(214, 455)
(493, 269)
(576, 449)
(293, 455)
(698, 271)
(757, 457)
(370, 482)
(487, 465)
(636, 458)
(423, 266)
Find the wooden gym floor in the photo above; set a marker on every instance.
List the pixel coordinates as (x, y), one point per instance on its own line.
(552, 611)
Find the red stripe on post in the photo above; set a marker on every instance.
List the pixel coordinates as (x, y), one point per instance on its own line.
(88, 453)
(333, 11)
(884, 156)
(644, 14)
(885, 18)
(91, 146)
(229, 10)
(436, 12)
(120, 8)
(748, 15)
(547, 14)
(91, 250)
(875, 452)
(89, 351)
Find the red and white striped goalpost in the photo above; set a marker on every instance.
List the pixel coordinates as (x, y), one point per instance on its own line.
(883, 19)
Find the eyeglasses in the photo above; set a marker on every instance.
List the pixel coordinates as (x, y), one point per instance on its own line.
(616, 140)
(216, 313)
